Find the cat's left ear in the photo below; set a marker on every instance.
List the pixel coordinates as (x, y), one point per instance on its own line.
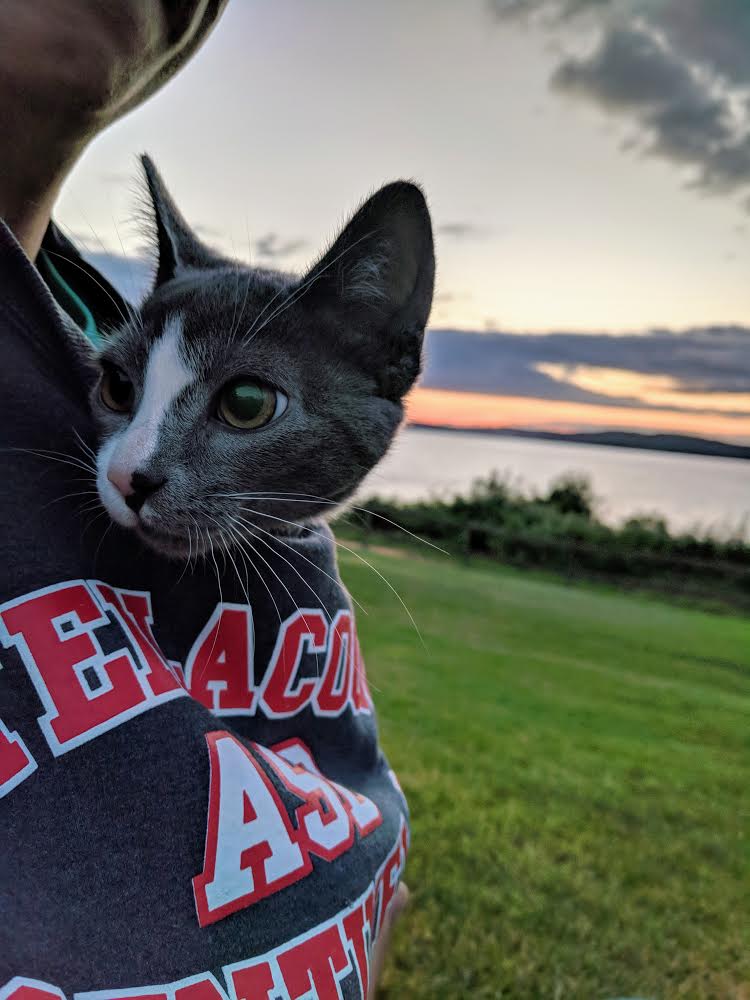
(178, 247)
(377, 279)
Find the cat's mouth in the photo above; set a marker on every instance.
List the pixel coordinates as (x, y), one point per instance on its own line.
(208, 531)
(171, 543)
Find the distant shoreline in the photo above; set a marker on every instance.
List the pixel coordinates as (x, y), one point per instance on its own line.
(680, 443)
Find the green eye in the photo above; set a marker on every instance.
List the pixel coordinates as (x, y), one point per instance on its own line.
(247, 405)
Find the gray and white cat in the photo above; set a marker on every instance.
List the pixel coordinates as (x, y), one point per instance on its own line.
(239, 394)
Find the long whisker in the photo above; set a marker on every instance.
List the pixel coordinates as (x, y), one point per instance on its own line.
(125, 256)
(289, 593)
(56, 456)
(265, 308)
(300, 498)
(90, 507)
(101, 542)
(231, 557)
(218, 581)
(87, 448)
(237, 316)
(69, 496)
(356, 556)
(189, 556)
(291, 565)
(301, 555)
(116, 304)
(261, 577)
(241, 552)
(300, 291)
(94, 519)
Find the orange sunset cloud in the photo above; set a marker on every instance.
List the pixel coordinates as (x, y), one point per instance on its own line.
(466, 409)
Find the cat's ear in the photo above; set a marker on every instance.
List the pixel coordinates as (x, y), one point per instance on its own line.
(378, 277)
(178, 247)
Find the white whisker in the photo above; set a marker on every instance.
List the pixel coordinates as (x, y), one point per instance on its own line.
(356, 556)
(289, 593)
(289, 563)
(297, 294)
(301, 555)
(311, 498)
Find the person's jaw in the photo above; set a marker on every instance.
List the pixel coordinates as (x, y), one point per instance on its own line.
(68, 68)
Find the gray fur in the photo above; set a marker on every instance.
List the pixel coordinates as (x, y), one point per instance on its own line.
(342, 343)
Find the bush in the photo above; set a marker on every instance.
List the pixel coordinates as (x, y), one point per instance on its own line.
(560, 531)
(572, 495)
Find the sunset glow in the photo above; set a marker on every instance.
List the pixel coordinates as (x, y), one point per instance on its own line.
(466, 409)
(654, 390)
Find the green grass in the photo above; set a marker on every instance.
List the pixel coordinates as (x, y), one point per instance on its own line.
(577, 764)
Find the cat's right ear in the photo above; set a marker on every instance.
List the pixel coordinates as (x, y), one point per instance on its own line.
(178, 247)
(378, 276)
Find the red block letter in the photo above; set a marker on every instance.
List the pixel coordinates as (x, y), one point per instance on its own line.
(323, 823)
(280, 696)
(254, 982)
(313, 967)
(21, 988)
(133, 610)
(361, 697)
(16, 763)
(364, 813)
(219, 667)
(333, 693)
(83, 691)
(250, 847)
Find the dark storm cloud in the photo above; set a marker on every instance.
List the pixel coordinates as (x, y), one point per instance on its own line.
(701, 361)
(677, 69)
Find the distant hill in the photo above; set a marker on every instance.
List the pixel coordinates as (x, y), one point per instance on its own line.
(614, 439)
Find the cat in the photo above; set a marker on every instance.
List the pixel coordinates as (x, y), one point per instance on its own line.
(240, 395)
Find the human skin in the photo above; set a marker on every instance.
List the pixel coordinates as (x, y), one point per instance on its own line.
(68, 69)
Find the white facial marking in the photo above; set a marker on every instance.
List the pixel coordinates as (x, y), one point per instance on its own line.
(166, 376)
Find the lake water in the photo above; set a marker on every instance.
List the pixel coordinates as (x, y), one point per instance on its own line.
(688, 490)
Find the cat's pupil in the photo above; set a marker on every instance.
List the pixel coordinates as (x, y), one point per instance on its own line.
(116, 389)
(246, 404)
(246, 400)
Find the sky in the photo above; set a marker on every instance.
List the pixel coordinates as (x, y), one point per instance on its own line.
(587, 165)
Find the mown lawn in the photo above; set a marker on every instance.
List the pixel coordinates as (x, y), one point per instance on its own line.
(578, 768)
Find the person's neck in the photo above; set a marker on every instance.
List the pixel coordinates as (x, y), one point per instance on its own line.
(43, 136)
(29, 217)
(30, 181)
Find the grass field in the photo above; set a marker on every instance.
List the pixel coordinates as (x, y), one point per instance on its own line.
(577, 763)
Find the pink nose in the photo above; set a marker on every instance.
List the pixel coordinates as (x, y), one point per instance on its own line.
(121, 478)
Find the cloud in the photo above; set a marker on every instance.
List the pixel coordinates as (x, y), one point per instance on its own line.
(207, 232)
(272, 247)
(133, 276)
(700, 362)
(462, 230)
(678, 70)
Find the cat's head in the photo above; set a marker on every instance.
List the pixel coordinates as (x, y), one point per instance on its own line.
(240, 399)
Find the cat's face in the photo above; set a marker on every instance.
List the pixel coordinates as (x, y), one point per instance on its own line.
(240, 400)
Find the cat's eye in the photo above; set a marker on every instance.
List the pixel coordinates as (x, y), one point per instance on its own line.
(247, 405)
(116, 390)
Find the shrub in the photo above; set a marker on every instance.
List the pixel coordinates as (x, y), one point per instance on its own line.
(561, 531)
